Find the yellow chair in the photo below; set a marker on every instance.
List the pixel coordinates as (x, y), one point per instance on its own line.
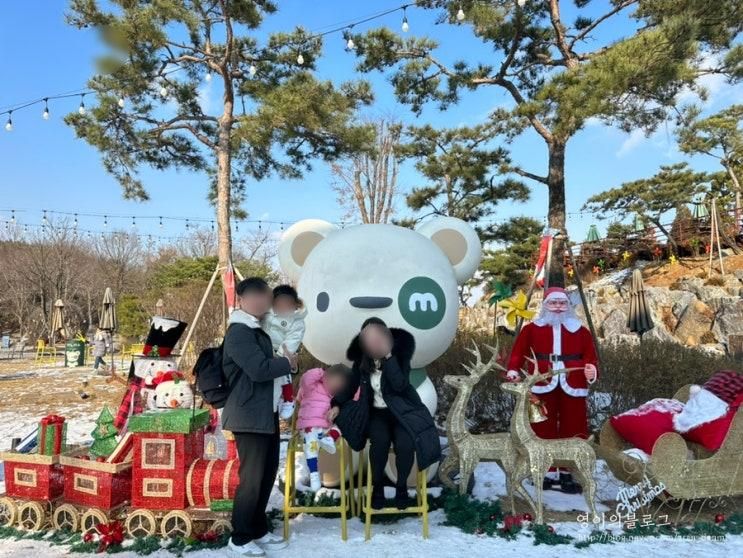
(364, 504)
(347, 503)
(127, 352)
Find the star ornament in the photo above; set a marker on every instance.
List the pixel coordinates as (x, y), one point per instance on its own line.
(515, 308)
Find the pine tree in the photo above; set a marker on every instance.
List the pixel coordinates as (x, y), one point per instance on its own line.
(623, 62)
(272, 116)
(104, 434)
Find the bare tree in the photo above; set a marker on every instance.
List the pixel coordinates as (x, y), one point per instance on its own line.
(366, 183)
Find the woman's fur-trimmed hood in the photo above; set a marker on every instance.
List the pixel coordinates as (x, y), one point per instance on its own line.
(403, 346)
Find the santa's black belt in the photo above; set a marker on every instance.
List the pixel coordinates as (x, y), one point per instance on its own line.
(552, 357)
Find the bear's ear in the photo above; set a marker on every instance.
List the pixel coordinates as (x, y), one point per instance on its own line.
(458, 241)
(298, 241)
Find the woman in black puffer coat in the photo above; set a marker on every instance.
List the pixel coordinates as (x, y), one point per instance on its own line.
(396, 415)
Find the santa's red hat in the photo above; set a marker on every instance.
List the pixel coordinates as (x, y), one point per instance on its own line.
(555, 293)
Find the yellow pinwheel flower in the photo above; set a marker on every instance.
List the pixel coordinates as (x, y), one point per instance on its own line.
(515, 308)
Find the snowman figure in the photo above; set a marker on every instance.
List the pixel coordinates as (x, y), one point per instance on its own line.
(172, 391)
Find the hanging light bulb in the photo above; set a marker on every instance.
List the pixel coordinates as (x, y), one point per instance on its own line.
(163, 91)
(45, 114)
(121, 102)
(460, 14)
(134, 223)
(521, 3)
(186, 224)
(105, 221)
(252, 70)
(161, 222)
(9, 123)
(75, 222)
(43, 218)
(81, 108)
(405, 26)
(300, 59)
(208, 76)
(12, 216)
(350, 45)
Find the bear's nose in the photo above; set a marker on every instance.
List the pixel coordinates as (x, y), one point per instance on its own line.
(370, 301)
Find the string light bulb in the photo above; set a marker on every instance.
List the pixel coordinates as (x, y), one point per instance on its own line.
(350, 45)
(134, 223)
(163, 91)
(208, 76)
(9, 123)
(405, 25)
(252, 70)
(105, 222)
(161, 222)
(81, 108)
(45, 114)
(460, 14)
(521, 3)
(75, 222)
(300, 59)
(121, 102)
(12, 216)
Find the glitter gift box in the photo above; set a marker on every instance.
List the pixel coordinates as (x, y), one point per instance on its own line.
(175, 421)
(32, 476)
(52, 435)
(96, 483)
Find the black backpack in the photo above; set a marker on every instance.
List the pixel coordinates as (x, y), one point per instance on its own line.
(210, 379)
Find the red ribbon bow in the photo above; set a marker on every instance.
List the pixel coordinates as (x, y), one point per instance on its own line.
(52, 419)
(110, 534)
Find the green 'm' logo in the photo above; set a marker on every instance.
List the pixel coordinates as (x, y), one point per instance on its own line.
(422, 302)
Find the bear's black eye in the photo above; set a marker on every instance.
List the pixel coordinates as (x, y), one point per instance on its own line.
(323, 301)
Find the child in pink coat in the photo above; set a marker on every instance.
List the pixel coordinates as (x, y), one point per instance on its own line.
(316, 389)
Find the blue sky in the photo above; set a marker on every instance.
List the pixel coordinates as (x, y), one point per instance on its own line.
(45, 167)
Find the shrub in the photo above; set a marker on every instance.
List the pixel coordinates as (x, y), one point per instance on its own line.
(715, 281)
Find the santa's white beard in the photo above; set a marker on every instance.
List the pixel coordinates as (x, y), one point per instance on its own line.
(556, 318)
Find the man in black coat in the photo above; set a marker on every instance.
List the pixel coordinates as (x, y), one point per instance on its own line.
(251, 414)
(393, 410)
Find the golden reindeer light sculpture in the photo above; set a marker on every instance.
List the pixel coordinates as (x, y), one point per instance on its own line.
(536, 455)
(466, 450)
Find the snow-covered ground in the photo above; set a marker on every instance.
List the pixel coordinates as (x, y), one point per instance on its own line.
(317, 537)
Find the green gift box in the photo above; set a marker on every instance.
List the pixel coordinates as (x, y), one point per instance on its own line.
(52, 435)
(172, 421)
(221, 505)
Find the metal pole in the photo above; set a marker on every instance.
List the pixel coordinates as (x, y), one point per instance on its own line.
(198, 315)
(533, 284)
(583, 298)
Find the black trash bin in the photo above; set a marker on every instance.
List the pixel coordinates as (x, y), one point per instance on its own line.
(74, 353)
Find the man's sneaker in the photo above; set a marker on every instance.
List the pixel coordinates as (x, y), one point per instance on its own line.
(271, 542)
(328, 444)
(315, 483)
(286, 410)
(247, 549)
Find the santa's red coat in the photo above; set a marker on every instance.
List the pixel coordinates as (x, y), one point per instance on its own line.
(539, 339)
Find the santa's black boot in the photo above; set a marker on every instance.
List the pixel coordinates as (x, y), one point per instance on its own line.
(377, 498)
(548, 483)
(568, 485)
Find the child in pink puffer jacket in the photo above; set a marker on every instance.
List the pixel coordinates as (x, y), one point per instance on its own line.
(316, 389)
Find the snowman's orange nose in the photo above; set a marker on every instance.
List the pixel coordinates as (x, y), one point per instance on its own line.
(173, 403)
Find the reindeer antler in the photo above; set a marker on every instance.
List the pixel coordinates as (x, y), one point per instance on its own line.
(480, 368)
(532, 379)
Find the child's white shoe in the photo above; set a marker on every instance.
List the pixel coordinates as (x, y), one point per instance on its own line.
(315, 483)
(328, 444)
(247, 549)
(286, 410)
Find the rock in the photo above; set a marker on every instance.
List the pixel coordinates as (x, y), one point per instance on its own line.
(738, 273)
(729, 321)
(622, 339)
(614, 324)
(694, 323)
(715, 349)
(735, 345)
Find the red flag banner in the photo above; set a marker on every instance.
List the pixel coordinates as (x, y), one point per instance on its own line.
(228, 283)
(539, 271)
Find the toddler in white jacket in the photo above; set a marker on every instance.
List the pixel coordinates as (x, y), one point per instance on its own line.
(285, 325)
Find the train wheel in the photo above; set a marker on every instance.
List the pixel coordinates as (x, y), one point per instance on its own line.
(65, 518)
(8, 512)
(221, 527)
(176, 524)
(141, 523)
(91, 519)
(31, 516)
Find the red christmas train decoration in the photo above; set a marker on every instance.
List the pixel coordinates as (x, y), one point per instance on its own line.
(157, 481)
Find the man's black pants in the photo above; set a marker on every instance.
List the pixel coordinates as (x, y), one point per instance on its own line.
(259, 462)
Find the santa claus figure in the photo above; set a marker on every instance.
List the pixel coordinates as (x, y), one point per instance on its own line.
(559, 341)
